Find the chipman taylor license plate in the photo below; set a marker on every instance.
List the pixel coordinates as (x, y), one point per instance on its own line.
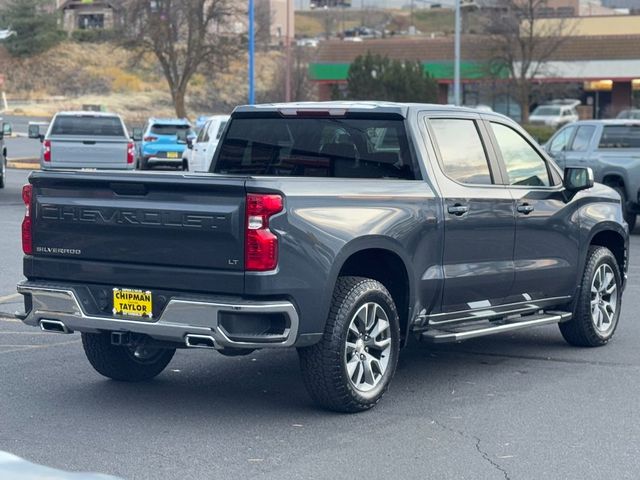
(132, 303)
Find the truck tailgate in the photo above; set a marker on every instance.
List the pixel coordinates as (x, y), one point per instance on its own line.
(163, 221)
(82, 152)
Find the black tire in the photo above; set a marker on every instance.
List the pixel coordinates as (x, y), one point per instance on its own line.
(581, 330)
(144, 165)
(629, 217)
(323, 365)
(119, 363)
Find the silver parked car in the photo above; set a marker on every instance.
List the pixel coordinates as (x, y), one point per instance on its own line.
(86, 140)
(611, 148)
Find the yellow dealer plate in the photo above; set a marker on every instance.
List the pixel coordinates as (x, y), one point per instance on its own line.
(132, 303)
(172, 154)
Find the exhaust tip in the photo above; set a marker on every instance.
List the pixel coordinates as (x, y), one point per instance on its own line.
(54, 326)
(199, 341)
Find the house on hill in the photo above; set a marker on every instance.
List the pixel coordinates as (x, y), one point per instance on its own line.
(88, 14)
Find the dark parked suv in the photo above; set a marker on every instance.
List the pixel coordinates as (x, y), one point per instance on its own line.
(339, 229)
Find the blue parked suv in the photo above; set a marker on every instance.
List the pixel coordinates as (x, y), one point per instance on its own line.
(163, 142)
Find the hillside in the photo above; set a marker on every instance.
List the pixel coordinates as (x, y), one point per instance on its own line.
(75, 74)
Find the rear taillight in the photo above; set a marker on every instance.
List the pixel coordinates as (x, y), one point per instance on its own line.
(27, 233)
(261, 246)
(46, 152)
(131, 153)
(149, 138)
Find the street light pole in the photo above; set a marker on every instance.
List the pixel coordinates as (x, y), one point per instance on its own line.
(252, 52)
(287, 93)
(456, 60)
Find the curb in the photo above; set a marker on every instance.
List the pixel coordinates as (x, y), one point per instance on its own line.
(24, 163)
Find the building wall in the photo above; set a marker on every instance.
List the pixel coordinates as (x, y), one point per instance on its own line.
(593, 26)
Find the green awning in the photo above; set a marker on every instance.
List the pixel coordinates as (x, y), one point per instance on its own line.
(469, 70)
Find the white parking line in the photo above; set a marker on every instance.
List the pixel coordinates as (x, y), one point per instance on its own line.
(19, 348)
(13, 296)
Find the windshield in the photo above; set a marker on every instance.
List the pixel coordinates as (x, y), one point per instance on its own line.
(87, 125)
(546, 111)
(316, 147)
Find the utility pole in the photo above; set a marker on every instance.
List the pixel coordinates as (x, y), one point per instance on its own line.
(456, 61)
(287, 91)
(252, 54)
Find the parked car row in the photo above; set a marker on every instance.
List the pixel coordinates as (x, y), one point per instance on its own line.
(81, 139)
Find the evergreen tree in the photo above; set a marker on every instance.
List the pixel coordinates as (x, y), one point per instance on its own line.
(374, 77)
(36, 29)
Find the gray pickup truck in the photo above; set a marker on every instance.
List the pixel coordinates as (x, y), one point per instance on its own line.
(92, 140)
(339, 229)
(611, 148)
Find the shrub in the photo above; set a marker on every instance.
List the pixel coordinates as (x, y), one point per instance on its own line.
(542, 133)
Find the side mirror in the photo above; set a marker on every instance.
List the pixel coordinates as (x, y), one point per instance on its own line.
(136, 134)
(6, 130)
(190, 143)
(578, 178)
(34, 131)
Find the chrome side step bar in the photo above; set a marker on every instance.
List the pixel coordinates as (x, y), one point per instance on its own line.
(476, 329)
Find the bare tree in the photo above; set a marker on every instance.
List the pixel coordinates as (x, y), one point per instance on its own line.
(186, 36)
(524, 42)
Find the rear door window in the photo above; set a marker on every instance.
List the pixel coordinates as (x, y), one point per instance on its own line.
(583, 138)
(461, 149)
(316, 147)
(620, 136)
(88, 126)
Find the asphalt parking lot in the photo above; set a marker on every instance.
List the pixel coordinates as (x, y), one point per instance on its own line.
(523, 405)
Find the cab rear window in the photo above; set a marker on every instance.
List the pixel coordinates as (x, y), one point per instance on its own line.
(316, 147)
(620, 136)
(87, 125)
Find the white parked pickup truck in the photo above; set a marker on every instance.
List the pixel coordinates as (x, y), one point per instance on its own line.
(86, 140)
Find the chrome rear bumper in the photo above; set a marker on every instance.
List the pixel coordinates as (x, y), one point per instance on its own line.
(181, 317)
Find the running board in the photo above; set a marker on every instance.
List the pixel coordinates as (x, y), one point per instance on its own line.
(457, 333)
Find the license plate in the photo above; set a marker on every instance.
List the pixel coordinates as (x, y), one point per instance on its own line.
(132, 303)
(172, 154)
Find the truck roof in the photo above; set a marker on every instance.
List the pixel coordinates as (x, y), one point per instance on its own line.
(87, 113)
(356, 106)
(612, 121)
(169, 121)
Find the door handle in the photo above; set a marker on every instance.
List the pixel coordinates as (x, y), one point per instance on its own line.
(458, 209)
(525, 208)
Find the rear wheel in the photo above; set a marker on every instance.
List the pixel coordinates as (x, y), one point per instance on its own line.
(124, 363)
(597, 309)
(352, 366)
(144, 164)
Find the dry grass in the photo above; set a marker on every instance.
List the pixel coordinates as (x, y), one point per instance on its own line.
(77, 74)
